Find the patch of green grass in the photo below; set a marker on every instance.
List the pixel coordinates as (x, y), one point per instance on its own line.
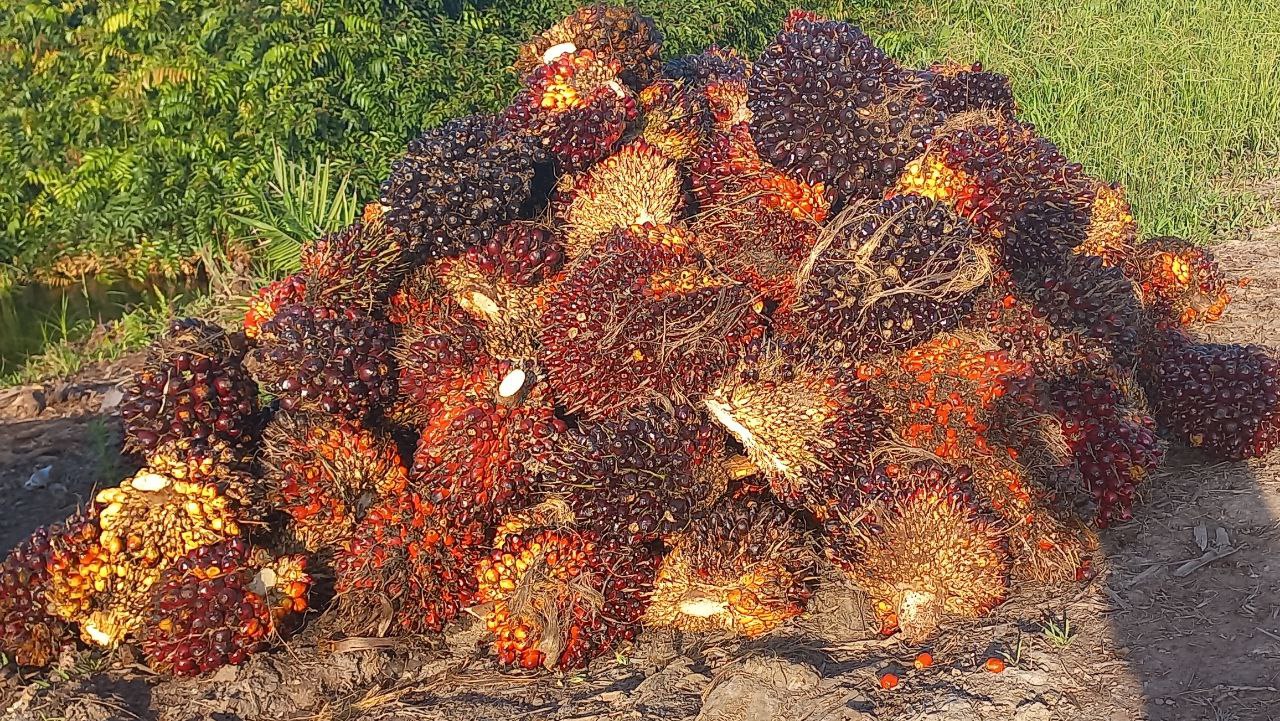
(1058, 630)
(1179, 101)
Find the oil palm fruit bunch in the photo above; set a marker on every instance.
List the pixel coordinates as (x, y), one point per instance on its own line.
(28, 632)
(218, 604)
(1094, 301)
(479, 458)
(806, 424)
(612, 32)
(556, 597)
(642, 476)
(952, 88)
(269, 299)
(830, 107)
(1112, 441)
(402, 571)
(642, 316)
(926, 554)
(1223, 399)
(359, 265)
(576, 108)
(192, 387)
(317, 358)
(457, 184)
(1112, 232)
(904, 271)
(743, 567)
(718, 76)
(1179, 282)
(674, 118)
(323, 471)
(637, 185)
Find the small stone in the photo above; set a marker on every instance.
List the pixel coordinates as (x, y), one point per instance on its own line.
(27, 403)
(111, 399)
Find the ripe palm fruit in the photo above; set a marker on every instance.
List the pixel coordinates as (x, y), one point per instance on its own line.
(556, 597)
(638, 185)
(503, 285)
(359, 265)
(639, 316)
(641, 476)
(576, 108)
(77, 565)
(1011, 183)
(1094, 301)
(1112, 442)
(322, 471)
(28, 632)
(719, 76)
(1179, 282)
(438, 349)
(457, 184)
(403, 569)
(926, 555)
(219, 604)
(479, 457)
(952, 88)
(743, 567)
(271, 298)
(1112, 232)
(808, 426)
(1221, 398)
(192, 387)
(905, 270)
(830, 107)
(317, 358)
(611, 31)
(673, 118)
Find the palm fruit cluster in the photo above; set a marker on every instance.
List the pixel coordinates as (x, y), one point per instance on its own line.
(656, 345)
(220, 603)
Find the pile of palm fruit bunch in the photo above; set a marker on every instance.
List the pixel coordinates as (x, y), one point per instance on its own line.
(655, 347)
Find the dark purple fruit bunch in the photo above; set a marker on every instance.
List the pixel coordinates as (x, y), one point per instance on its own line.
(28, 632)
(610, 31)
(905, 271)
(830, 107)
(1221, 398)
(315, 358)
(457, 184)
(952, 88)
(359, 265)
(1097, 302)
(639, 477)
(522, 254)
(193, 387)
(1113, 444)
(219, 604)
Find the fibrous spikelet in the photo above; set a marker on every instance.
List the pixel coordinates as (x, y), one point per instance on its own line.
(926, 556)
(674, 118)
(742, 567)
(1112, 232)
(359, 265)
(637, 185)
(611, 31)
(322, 471)
(807, 425)
(219, 604)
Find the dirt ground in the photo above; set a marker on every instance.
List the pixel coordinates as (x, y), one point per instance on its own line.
(1151, 638)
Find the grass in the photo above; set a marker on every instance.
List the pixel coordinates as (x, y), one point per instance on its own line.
(1179, 100)
(1058, 630)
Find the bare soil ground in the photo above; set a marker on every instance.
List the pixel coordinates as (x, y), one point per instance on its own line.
(1151, 638)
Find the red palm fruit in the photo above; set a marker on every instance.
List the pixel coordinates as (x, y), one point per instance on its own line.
(637, 185)
(1179, 283)
(1223, 399)
(1085, 297)
(270, 298)
(480, 456)
(322, 471)
(192, 390)
(719, 77)
(640, 316)
(556, 597)
(575, 107)
(743, 567)
(1112, 232)
(219, 604)
(610, 31)
(28, 632)
(359, 265)
(674, 118)
(641, 476)
(952, 88)
(926, 554)
(807, 425)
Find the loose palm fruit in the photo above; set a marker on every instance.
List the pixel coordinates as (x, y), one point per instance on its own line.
(323, 471)
(1179, 282)
(219, 604)
(1112, 232)
(29, 634)
(192, 387)
(608, 30)
(556, 598)
(642, 316)
(743, 567)
(359, 265)
(269, 299)
(637, 185)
